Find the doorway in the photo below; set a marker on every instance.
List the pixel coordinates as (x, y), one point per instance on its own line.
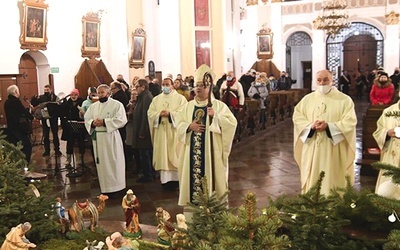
(29, 80)
(307, 74)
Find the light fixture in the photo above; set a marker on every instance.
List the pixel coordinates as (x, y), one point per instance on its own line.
(333, 17)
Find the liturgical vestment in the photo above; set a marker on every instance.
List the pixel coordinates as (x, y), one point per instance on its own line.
(317, 151)
(107, 143)
(390, 148)
(195, 159)
(163, 134)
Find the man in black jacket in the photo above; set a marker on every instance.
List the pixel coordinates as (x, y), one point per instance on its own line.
(48, 100)
(18, 121)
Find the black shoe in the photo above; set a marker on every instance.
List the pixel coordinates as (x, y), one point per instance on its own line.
(46, 153)
(144, 180)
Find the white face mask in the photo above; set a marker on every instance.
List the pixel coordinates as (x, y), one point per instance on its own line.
(324, 89)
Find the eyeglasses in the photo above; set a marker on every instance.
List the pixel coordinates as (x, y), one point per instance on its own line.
(137, 86)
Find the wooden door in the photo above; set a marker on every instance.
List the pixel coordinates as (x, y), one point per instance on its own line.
(307, 74)
(359, 54)
(5, 82)
(28, 85)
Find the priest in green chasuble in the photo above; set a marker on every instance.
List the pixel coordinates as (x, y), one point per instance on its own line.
(325, 135)
(387, 136)
(195, 131)
(161, 114)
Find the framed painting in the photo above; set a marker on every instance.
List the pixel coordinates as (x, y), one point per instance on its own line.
(138, 49)
(33, 25)
(91, 35)
(264, 44)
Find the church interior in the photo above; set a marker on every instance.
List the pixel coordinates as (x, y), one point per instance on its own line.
(80, 44)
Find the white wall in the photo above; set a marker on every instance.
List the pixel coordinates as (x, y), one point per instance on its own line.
(64, 32)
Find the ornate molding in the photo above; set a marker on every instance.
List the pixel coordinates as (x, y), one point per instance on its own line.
(251, 2)
(392, 18)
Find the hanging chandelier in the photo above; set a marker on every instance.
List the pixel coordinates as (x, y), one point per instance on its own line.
(333, 17)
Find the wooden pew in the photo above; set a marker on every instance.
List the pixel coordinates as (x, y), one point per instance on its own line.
(370, 149)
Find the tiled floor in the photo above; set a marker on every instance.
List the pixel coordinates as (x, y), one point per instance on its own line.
(262, 163)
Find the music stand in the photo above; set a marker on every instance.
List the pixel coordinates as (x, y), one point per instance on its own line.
(77, 127)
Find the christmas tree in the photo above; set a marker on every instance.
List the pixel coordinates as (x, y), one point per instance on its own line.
(18, 203)
(311, 221)
(250, 229)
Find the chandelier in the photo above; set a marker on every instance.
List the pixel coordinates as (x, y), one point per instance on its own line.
(333, 17)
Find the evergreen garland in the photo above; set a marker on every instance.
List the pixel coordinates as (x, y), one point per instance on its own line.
(204, 231)
(311, 221)
(250, 229)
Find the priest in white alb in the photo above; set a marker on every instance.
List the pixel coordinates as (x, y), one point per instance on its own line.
(325, 136)
(166, 148)
(102, 121)
(387, 136)
(195, 131)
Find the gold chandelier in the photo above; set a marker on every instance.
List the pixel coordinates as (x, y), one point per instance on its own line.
(333, 17)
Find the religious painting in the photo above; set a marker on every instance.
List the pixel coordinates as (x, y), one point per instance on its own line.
(201, 13)
(203, 48)
(138, 49)
(91, 35)
(264, 44)
(33, 25)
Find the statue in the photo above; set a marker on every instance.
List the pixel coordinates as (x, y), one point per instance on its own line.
(60, 215)
(16, 240)
(179, 237)
(92, 245)
(164, 230)
(117, 241)
(87, 209)
(131, 207)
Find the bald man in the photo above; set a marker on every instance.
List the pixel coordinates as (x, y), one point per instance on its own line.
(325, 135)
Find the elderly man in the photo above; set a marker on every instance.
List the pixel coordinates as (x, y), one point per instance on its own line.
(102, 121)
(325, 135)
(195, 130)
(162, 112)
(18, 121)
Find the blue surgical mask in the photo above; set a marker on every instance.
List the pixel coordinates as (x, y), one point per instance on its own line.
(166, 90)
(229, 78)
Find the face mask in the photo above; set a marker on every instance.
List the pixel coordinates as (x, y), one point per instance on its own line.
(324, 89)
(258, 83)
(229, 78)
(396, 72)
(47, 93)
(103, 99)
(166, 90)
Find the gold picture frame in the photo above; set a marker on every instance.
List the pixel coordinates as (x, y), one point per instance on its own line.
(33, 25)
(138, 50)
(91, 35)
(265, 44)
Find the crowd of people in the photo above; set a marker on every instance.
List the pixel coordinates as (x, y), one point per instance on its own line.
(182, 130)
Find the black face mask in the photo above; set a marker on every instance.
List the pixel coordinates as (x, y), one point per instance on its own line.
(47, 93)
(396, 72)
(103, 99)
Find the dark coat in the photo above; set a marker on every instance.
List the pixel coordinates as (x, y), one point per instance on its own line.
(14, 112)
(155, 89)
(121, 97)
(69, 112)
(140, 123)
